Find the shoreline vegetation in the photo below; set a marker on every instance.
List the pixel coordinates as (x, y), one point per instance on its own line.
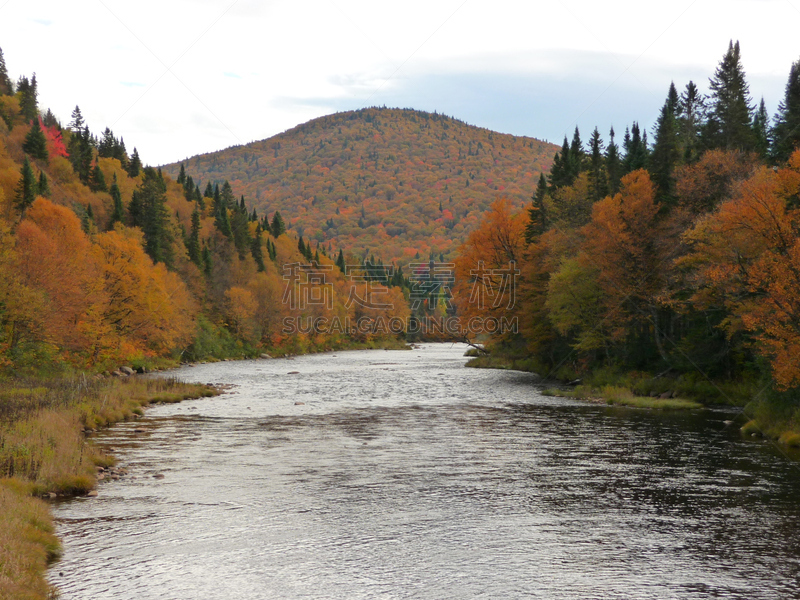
(765, 419)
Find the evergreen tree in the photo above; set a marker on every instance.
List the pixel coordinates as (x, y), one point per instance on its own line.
(613, 164)
(87, 221)
(107, 145)
(49, 120)
(273, 253)
(257, 252)
(222, 221)
(118, 212)
(666, 154)
(43, 187)
(28, 98)
(6, 87)
(188, 189)
(340, 261)
(208, 263)
(240, 227)
(301, 247)
(761, 130)
(182, 176)
(786, 129)
(135, 212)
(691, 120)
(209, 193)
(537, 215)
(228, 200)
(35, 143)
(576, 155)
(193, 242)
(76, 122)
(98, 180)
(81, 154)
(729, 124)
(277, 226)
(598, 180)
(635, 146)
(561, 173)
(135, 166)
(155, 217)
(26, 188)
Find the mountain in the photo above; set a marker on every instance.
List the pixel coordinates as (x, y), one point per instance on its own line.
(396, 183)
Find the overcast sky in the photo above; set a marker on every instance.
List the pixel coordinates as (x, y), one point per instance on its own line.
(181, 77)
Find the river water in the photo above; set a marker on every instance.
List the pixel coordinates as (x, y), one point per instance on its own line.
(402, 474)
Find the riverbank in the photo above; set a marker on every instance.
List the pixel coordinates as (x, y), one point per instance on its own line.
(770, 415)
(45, 453)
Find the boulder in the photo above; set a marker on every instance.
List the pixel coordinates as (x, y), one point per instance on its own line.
(127, 370)
(118, 374)
(265, 356)
(92, 494)
(299, 403)
(158, 476)
(666, 395)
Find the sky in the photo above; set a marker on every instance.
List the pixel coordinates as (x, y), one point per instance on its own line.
(178, 78)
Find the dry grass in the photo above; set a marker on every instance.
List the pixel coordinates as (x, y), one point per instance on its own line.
(43, 450)
(621, 396)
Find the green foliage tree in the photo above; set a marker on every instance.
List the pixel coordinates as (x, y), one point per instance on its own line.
(28, 94)
(98, 179)
(613, 164)
(691, 117)
(26, 188)
(257, 251)
(118, 212)
(193, 242)
(76, 123)
(666, 154)
(786, 128)
(729, 123)
(277, 226)
(135, 165)
(155, 217)
(598, 178)
(35, 144)
(635, 145)
(44, 185)
(81, 154)
(537, 214)
(761, 130)
(6, 87)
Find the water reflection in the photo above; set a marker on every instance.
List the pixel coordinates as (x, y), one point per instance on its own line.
(422, 479)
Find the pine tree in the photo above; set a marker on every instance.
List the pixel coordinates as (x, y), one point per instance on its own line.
(691, 117)
(635, 146)
(729, 124)
(98, 179)
(226, 195)
(301, 247)
(107, 144)
(81, 154)
(537, 215)
(35, 143)
(240, 227)
(257, 252)
(6, 87)
(666, 154)
(26, 188)
(208, 263)
(76, 123)
(135, 165)
(155, 217)
(786, 129)
(761, 130)
(135, 211)
(87, 221)
(209, 193)
(613, 164)
(118, 212)
(277, 226)
(222, 222)
(576, 155)
(49, 120)
(182, 176)
(340, 261)
(598, 180)
(43, 187)
(560, 175)
(193, 242)
(28, 98)
(273, 253)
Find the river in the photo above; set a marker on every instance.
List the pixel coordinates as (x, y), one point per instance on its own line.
(402, 474)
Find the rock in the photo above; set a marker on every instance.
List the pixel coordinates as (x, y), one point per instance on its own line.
(265, 356)
(299, 403)
(666, 395)
(293, 373)
(158, 476)
(127, 370)
(118, 374)
(728, 422)
(575, 382)
(139, 430)
(101, 477)
(92, 494)
(52, 495)
(114, 477)
(100, 469)
(141, 369)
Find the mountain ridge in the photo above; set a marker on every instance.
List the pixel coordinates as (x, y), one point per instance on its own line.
(398, 183)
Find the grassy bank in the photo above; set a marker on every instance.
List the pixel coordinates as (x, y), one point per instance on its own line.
(623, 397)
(44, 453)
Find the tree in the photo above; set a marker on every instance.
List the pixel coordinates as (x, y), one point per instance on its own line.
(635, 145)
(277, 226)
(537, 215)
(81, 154)
(155, 218)
(613, 164)
(257, 251)
(35, 143)
(598, 181)
(691, 116)
(6, 87)
(106, 147)
(193, 243)
(761, 130)
(118, 212)
(182, 176)
(561, 174)
(27, 188)
(135, 165)
(666, 154)
(340, 261)
(786, 128)
(98, 179)
(729, 124)
(28, 94)
(43, 187)
(76, 122)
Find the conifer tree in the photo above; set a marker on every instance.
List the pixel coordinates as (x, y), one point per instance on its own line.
(273, 253)
(155, 217)
(209, 193)
(301, 247)
(537, 215)
(76, 122)
(135, 214)
(208, 263)
(193, 242)
(135, 166)
(729, 124)
(35, 143)
(6, 87)
(257, 252)
(49, 120)
(43, 187)
(222, 221)
(87, 220)
(228, 200)
(240, 227)
(761, 129)
(635, 146)
(277, 226)
(691, 120)
(28, 98)
(26, 188)
(107, 144)
(81, 154)
(561, 171)
(340, 261)
(98, 179)
(665, 154)
(598, 180)
(576, 155)
(613, 164)
(118, 212)
(182, 176)
(786, 129)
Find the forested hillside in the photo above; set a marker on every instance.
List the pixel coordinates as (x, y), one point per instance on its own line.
(669, 266)
(395, 183)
